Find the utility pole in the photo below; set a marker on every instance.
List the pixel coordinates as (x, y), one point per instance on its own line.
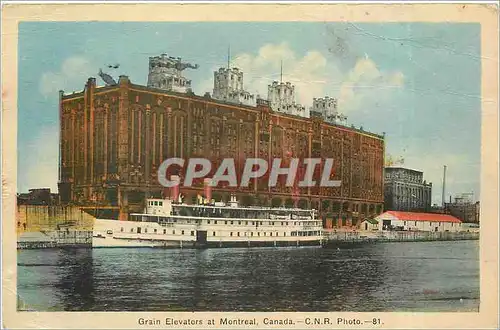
(444, 185)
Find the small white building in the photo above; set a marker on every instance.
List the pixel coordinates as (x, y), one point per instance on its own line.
(415, 221)
(368, 225)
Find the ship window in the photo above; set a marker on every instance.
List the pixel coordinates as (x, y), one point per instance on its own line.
(231, 234)
(286, 223)
(282, 223)
(215, 221)
(232, 222)
(270, 234)
(253, 223)
(258, 233)
(284, 234)
(246, 222)
(121, 229)
(405, 223)
(173, 232)
(182, 232)
(251, 233)
(239, 222)
(155, 231)
(131, 230)
(164, 231)
(238, 234)
(225, 222)
(156, 203)
(213, 234)
(145, 230)
(192, 233)
(160, 203)
(208, 221)
(264, 234)
(415, 223)
(261, 222)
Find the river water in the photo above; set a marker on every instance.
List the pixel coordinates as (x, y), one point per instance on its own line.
(402, 276)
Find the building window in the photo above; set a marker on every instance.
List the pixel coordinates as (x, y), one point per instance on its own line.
(415, 223)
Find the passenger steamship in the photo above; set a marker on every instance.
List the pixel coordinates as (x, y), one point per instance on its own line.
(172, 223)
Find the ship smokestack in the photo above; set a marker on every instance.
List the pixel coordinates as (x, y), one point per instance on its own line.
(207, 188)
(174, 192)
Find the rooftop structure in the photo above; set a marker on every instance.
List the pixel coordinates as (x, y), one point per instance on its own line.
(165, 72)
(228, 87)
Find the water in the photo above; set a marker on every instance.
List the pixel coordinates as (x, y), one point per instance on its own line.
(407, 276)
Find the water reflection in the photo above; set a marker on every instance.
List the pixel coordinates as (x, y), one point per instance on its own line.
(377, 277)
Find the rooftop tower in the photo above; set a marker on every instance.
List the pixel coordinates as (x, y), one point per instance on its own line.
(165, 72)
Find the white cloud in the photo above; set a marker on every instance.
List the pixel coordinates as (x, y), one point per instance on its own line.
(365, 83)
(313, 76)
(308, 73)
(39, 166)
(73, 71)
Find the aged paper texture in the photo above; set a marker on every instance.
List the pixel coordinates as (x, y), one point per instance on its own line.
(250, 166)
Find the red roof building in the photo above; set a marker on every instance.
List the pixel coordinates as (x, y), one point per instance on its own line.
(418, 221)
(417, 216)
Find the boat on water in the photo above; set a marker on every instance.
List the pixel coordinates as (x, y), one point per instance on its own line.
(172, 223)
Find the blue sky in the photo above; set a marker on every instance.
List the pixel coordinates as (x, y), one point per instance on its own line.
(418, 83)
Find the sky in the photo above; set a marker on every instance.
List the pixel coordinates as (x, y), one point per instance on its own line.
(419, 83)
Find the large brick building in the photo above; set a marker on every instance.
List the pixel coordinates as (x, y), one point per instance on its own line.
(113, 139)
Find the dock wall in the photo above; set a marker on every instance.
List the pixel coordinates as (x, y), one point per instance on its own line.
(333, 237)
(42, 226)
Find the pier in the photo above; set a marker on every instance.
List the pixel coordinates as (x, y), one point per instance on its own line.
(334, 238)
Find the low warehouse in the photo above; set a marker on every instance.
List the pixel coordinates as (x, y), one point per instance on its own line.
(415, 221)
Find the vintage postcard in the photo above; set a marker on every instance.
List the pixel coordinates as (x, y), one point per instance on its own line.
(250, 166)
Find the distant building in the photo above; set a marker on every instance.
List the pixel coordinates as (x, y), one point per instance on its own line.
(415, 221)
(406, 190)
(228, 87)
(464, 208)
(39, 196)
